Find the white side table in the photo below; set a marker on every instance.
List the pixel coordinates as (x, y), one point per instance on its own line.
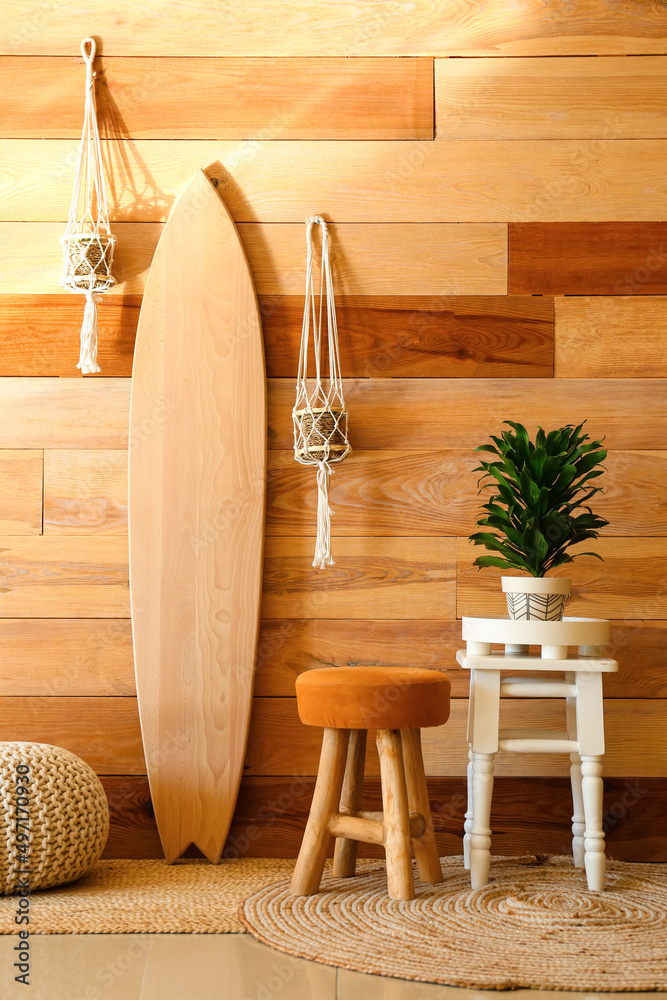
(580, 686)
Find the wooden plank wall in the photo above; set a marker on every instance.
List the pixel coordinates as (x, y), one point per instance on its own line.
(496, 186)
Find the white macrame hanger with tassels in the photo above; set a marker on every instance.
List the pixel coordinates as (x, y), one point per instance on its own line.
(88, 243)
(319, 415)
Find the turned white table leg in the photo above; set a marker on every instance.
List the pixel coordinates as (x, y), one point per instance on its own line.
(590, 733)
(484, 744)
(467, 826)
(575, 781)
(577, 811)
(480, 839)
(592, 787)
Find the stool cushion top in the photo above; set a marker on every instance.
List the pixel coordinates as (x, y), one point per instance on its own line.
(373, 697)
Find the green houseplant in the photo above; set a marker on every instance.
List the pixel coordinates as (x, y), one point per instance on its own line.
(539, 507)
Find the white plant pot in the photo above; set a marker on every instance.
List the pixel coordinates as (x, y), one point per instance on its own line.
(536, 598)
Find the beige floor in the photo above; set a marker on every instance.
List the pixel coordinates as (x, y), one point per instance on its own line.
(207, 967)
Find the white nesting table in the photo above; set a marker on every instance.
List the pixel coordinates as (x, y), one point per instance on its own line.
(580, 685)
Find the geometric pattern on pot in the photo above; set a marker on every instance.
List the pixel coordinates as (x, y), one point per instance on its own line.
(541, 607)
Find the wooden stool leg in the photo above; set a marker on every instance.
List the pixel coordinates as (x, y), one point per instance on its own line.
(310, 863)
(577, 811)
(467, 826)
(594, 857)
(480, 840)
(425, 847)
(396, 815)
(345, 851)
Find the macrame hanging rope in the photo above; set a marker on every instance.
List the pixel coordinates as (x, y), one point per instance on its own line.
(319, 414)
(88, 243)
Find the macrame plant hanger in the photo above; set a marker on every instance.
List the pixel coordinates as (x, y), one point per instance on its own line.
(88, 243)
(319, 414)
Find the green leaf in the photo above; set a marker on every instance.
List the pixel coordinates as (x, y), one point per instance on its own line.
(530, 490)
(482, 561)
(589, 461)
(522, 441)
(489, 540)
(539, 543)
(560, 560)
(536, 463)
(550, 470)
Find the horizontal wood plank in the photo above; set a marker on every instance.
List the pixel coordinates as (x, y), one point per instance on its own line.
(604, 336)
(85, 492)
(84, 725)
(429, 414)
(278, 739)
(298, 28)
(288, 647)
(565, 98)
(372, 577)
(529, 815)
(77, 657)
(102, 731)
(244, 98)
(531, 180)
(87, 414)
(394, 336)
(39, 334)
(422, 337)
(64, 413)
(393, 493)
(93, 657)
(631, 582)
(58, 577)
(32, 259)
(21, 475)
(420, 259)
(435, 493)
(105, 733)
(588, 258)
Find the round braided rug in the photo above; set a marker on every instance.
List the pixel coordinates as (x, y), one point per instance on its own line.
(535, 925)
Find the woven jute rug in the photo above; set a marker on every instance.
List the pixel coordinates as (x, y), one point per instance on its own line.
(152, 897)
(535, 925)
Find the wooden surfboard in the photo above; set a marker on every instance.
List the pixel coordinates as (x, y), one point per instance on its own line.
(196, 518)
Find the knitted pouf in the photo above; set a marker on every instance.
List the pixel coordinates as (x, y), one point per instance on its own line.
(54, 821)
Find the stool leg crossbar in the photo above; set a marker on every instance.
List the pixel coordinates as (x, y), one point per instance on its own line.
(404, 825)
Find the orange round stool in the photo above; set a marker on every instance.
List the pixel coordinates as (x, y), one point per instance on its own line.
(346, 702)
